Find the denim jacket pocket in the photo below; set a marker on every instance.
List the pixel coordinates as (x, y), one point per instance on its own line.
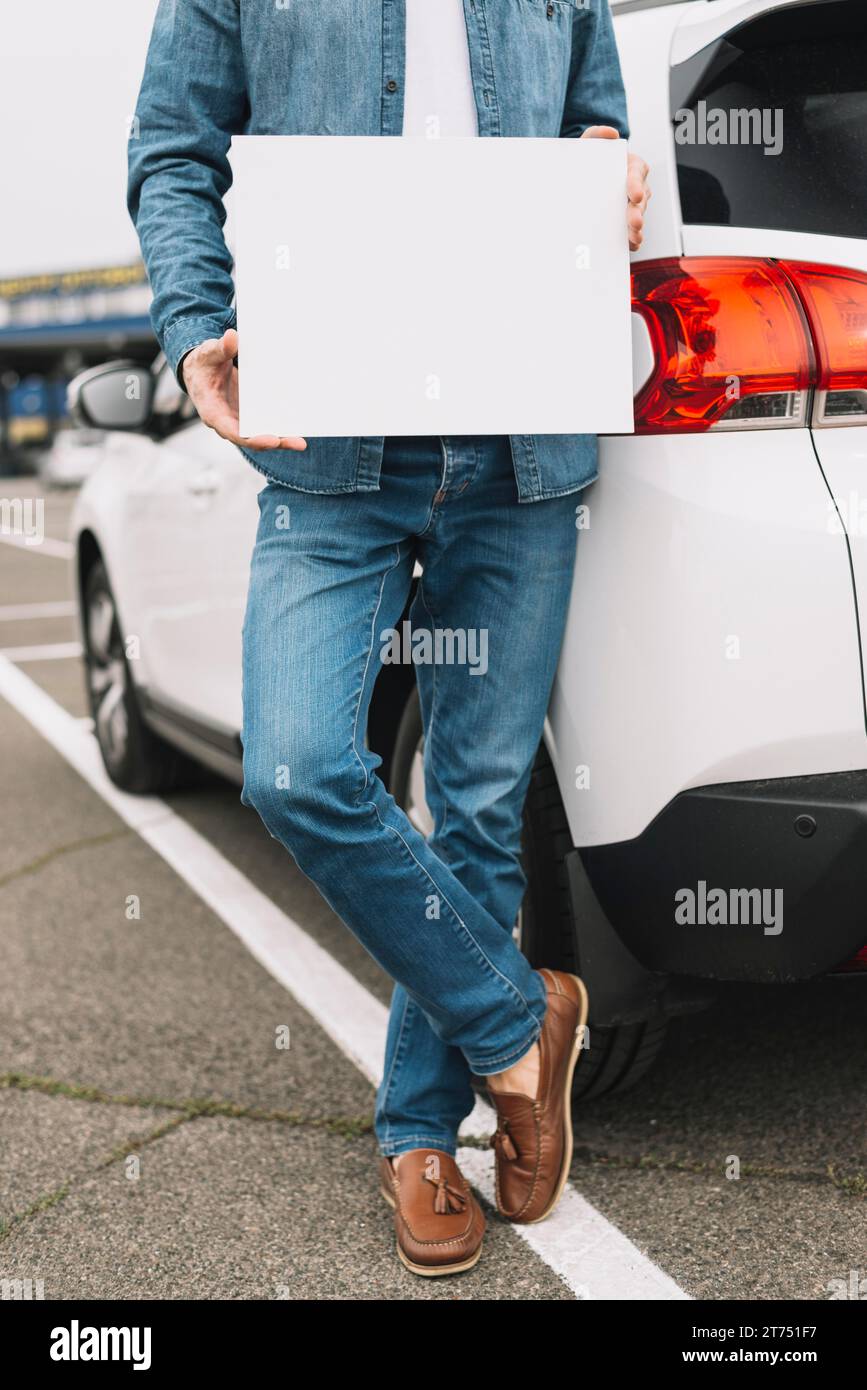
(327, 465)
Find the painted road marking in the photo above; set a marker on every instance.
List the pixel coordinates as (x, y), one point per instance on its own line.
(55, 550)
(591, 1255)
(19, 612)
(52, 651)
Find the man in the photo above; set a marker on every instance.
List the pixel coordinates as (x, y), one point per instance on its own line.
(437, 913)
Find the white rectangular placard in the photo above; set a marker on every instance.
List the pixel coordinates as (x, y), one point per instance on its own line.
(407, 286)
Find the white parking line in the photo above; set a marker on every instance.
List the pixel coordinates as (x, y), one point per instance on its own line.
(595, 1259)
(52, 651)
(55, 550)
(19, 612)
(591, 1255)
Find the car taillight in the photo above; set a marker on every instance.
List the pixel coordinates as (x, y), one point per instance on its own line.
(739, 343)
(731, 345)
(836, 304)
(857, 963)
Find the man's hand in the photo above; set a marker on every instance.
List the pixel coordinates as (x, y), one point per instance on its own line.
(211, 379)
(637, 191)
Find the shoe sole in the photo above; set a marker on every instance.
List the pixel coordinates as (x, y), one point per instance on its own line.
(584, 1009)
(430, 1271)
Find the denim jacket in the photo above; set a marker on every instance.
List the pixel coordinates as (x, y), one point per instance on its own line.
(216, 68)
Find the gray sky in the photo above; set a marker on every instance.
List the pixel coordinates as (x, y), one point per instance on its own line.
(69, 76)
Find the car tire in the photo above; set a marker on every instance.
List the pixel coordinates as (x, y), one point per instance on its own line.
(617, 1058)
(135, 758)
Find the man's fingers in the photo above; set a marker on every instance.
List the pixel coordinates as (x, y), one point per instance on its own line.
(636, 180)
(260, 441)
(229, 344)
(222, 423)
(272, 441)
(600, 132)
(210, 400)
(227, 426)
(210, 354)
(213, 353)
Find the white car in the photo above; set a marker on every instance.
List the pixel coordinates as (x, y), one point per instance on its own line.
(698, 811)
(73, 456)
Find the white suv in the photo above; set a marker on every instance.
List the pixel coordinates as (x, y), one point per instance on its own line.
(698, 811)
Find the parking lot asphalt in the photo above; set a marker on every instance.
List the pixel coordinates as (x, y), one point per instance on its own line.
(156, 1143)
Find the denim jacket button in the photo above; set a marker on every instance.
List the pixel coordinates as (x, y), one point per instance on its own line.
(391, 85)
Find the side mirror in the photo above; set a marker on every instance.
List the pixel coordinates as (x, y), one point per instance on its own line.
(114, 396)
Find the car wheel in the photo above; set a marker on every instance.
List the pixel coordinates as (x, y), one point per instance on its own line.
(135, 758)
(617, 1058)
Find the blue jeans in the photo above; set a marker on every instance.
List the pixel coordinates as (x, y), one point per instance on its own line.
(330, 577)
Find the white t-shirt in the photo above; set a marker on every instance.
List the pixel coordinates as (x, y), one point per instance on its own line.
(438, 99)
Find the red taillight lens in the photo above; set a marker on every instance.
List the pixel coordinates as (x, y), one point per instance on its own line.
(858, 962)
(730, 343)
(836, 305)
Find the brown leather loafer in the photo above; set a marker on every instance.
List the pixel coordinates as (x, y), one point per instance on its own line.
(533, 1141)
(438, 1221)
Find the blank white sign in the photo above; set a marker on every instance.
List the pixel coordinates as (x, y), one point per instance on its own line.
(409, 286)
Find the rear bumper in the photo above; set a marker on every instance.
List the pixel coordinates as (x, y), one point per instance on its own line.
(800, 841)
(712, 634)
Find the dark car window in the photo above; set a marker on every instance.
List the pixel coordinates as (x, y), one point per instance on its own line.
(801, 74)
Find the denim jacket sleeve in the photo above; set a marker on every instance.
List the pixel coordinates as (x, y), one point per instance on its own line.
(595, 95)
(192, 100)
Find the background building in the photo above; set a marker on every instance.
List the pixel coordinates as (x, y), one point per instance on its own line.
(72, 288)
(52, 326)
